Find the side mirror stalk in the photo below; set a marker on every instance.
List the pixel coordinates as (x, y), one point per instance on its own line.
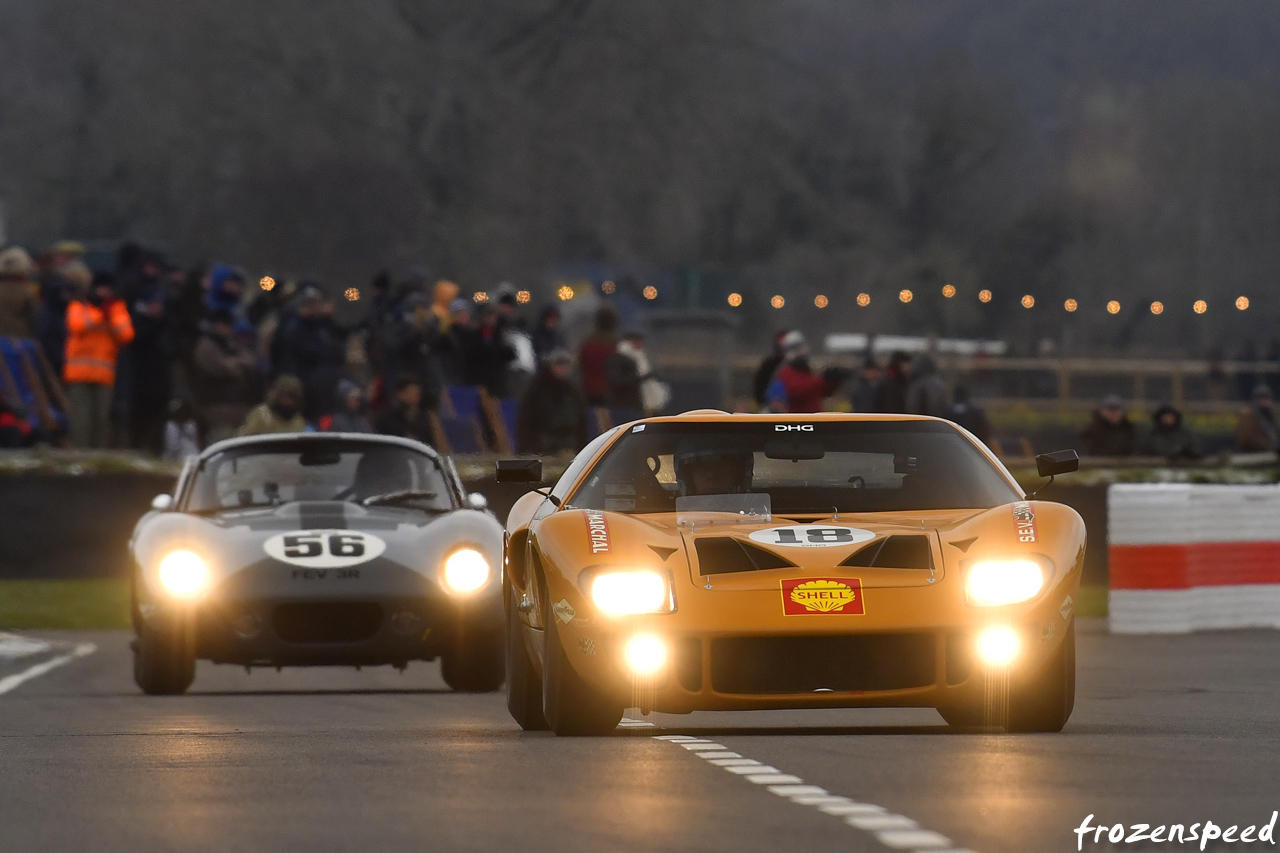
(1051, 464)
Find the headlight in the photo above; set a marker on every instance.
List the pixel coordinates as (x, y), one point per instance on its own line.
(1003, 582)
(183, 573)
(640, 591)
(465, 570)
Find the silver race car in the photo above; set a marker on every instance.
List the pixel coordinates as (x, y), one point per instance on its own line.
(318, 550)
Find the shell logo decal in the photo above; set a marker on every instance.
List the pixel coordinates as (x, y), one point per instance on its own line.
(804, 596)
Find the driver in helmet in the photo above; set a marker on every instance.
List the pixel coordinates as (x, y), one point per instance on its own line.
(713, 470)
(379, 473)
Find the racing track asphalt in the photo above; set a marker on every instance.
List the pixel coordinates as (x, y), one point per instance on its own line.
(1166, 730)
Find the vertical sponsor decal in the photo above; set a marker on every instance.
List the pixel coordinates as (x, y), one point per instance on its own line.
(597, 531)
(1024, 521)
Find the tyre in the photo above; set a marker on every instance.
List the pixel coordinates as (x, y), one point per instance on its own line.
(474, 664)
(164, 660)
(524, 687)
(572, 707)
(1039, 704)
(1045, 703)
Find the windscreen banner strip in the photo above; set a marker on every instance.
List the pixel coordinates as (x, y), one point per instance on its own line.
(322, 516)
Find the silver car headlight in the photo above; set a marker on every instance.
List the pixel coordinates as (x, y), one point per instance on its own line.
(465, 570)
(183, 573)
(994, 582)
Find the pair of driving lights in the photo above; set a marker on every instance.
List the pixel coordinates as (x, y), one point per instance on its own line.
(184, 574)
(1001, 582)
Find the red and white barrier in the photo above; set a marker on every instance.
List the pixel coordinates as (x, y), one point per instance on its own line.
(1189, 557)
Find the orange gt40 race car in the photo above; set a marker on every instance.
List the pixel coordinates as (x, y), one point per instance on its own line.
(732, 562)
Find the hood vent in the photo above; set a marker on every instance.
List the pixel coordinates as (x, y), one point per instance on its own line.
(723, 554)
(894, 552)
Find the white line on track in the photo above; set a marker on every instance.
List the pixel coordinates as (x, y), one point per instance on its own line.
(11, 682)
(895, 831)
(13, 646)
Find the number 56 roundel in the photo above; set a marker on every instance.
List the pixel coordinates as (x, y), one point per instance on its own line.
(324, 549)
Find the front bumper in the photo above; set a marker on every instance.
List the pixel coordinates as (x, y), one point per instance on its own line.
(253, 618)
(913, 648)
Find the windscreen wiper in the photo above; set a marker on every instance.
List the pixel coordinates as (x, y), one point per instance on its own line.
(402, 496)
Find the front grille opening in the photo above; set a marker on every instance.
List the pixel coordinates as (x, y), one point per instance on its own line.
(869, 662)
(689, 664)
(894, 552)
(959, 658)
(326, 622)
(723, 554)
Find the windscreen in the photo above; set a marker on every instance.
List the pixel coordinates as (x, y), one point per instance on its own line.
(272, 474)
(849, 466)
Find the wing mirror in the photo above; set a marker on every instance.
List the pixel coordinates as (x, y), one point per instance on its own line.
(1057, 462)
(162, 503)
(519, 470)
(1051, 464)
(477, 501)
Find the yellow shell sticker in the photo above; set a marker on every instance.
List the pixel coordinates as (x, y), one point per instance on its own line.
(823, 596)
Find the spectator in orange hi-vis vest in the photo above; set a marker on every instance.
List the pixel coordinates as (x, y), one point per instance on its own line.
(97, 326)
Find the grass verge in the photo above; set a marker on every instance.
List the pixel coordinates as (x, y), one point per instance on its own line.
(1092, 601)
(73, 604)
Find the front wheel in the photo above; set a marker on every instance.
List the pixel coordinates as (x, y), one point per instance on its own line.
(572, 707)
(164, 660)
(524, 687)
(474, 664)
(1040, 704)
(1045, 703)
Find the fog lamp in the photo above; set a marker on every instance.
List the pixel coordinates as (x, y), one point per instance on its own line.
(183, 573)
(645, 654)
(465, 570)
(998, 646)
(248, 626)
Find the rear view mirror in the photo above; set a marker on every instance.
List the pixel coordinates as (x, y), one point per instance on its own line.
(519, 470)
(1057, 462)
(794, 449)
(309, 458)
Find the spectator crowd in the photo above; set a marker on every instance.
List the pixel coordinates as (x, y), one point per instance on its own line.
(786, 382)
(906, 384)
(146, 355)
(153, 357)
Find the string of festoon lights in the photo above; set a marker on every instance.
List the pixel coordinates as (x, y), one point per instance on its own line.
(821, 301)
(985, 296)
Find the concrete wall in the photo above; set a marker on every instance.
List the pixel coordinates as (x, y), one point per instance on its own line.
(61, 526)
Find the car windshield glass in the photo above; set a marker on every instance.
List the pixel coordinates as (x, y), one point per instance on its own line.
(269, 474)
(844, 466)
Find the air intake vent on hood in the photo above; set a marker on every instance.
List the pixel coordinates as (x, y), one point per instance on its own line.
(894, 552)
(721, 554)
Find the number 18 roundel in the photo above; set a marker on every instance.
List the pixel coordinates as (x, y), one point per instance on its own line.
(811, 536)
